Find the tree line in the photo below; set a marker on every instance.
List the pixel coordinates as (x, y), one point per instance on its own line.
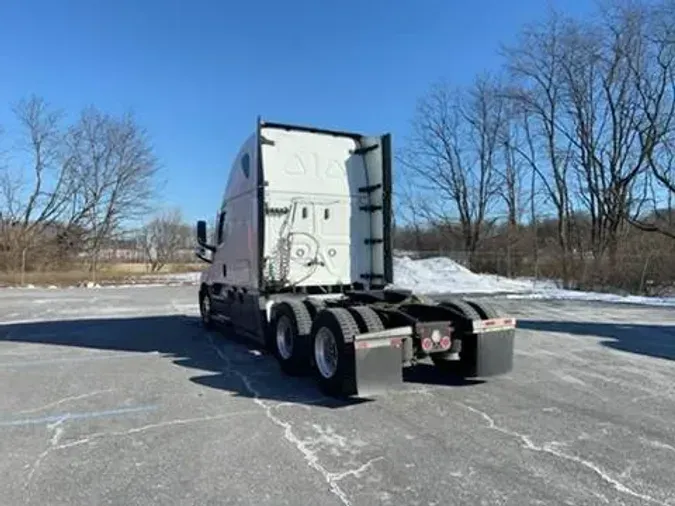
(561, 163)
(564, 156)
(70, 189)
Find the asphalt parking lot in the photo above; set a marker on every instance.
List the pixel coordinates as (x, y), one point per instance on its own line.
(117, 396)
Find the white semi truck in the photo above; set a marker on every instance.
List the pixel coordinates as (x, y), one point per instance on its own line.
(301, 261)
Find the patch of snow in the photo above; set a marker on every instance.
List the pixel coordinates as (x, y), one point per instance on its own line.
(157, 280)
(160, 279)
(180, 277)
(441, 275)
(559, 294)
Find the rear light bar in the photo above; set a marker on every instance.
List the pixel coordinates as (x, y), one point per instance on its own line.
(493, 325)
(435, 337)
(382, 338)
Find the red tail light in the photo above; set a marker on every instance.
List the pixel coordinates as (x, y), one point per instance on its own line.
(445, 342)
(427, 344)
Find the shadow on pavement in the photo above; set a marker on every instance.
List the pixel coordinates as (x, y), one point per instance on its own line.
(232, 363)
(427, 374)
(651, 340)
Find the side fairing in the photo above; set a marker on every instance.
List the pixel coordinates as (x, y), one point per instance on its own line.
(235, 231)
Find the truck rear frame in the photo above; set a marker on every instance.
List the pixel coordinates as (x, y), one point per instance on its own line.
(354, 337)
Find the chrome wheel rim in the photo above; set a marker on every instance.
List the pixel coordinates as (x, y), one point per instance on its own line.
(325, 352)
(285, 337)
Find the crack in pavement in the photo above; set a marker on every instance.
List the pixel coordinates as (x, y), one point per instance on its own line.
(57, 428)
(297, 404)
(58, 431)
(658, 444)
(550, 448)
(310, 456)
(135, 430)
(64, 400)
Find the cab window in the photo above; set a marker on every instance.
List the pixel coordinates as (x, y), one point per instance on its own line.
(246, 165)
(221, 227)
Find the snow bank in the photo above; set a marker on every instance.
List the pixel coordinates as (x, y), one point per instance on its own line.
(441, 275)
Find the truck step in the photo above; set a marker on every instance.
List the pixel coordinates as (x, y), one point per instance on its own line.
(370, 209)
(370, 189)
(372, 275)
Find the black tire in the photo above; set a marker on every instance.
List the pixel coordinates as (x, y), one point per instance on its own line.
(367, 319)
(486, 310)
(340, 325)
(461, 307)
(205, 309)
(314, 306)
(291, 319)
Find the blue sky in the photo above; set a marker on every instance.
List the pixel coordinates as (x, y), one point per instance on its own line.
(198, 73)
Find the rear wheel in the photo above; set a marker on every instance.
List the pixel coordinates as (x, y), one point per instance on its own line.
(291, 326)
(484, 309)
(332, 339)
(461, 307)
(205, 309)
(313, 306)
(367, 319)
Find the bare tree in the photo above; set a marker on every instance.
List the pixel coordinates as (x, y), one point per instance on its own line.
(163, 237)
(113, 168)
(408, 208)
(537, 95)
(653, 69)
(42, 144)
(603, 122)
(511, 176)
(35, 186)
(452, 156)
(589, 109)
(61, 188)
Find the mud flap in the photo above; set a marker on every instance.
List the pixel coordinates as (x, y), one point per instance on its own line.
(378, 360)
(489, 350)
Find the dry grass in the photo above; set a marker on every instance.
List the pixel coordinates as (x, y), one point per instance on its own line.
(107, 274)
(142, 268)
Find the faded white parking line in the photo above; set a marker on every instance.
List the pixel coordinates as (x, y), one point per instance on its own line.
(75, 416)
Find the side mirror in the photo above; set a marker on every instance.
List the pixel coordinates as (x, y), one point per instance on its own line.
(201, 232)
(201, 236)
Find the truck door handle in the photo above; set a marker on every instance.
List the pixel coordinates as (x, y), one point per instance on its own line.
(224, 270)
